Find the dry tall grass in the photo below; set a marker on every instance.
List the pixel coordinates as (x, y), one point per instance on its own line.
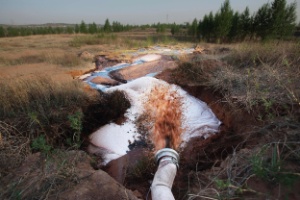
(40, 105)
(262, 79)
(46, 57)
(264, 74)
(252, 75)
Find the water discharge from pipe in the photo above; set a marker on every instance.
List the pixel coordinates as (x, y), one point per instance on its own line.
(165, 109)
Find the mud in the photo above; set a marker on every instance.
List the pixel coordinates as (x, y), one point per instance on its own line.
(105, 81)
(102, 61)
(136, 71)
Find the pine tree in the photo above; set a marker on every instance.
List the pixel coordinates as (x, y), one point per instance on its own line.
(175, 29)
(223, 20)
(235, 31)
(203, 28)
(245, 24)
(117, 26)
(283, 18)
(192, 31)
(107, 26)
(276, 20)
(211, 26)
(2, 31)
(77, 29)
(83, 27)
(206, 27)
(263, 22)
(92, 28)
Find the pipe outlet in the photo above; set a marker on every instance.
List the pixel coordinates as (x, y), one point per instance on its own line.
(169, 154)
(167, 160)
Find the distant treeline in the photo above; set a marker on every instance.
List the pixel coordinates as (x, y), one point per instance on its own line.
(93, 28)
(275, 20)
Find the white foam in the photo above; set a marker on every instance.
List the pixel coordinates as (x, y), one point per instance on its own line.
(148, 58)
(115, 139)
(84, 76)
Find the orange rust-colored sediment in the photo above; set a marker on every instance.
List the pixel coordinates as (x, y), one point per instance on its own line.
(75, 73)
(164, 107)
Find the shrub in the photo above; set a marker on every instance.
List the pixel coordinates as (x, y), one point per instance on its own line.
(76, 124)
(40, 144)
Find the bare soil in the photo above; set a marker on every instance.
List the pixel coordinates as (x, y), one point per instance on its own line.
(136, 71)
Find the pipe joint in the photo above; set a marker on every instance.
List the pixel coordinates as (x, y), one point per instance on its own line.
(167, 155)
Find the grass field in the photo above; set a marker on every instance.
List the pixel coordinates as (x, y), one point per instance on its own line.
(43, 109)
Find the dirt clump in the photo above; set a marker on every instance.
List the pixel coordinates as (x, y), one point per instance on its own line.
(86, 55)
(105, 81)
(108, 107)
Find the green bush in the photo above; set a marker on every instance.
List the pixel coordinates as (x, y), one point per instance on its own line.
(40, 144)
(76, 124)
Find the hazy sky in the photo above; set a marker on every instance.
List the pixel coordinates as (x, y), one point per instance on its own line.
(18, 12)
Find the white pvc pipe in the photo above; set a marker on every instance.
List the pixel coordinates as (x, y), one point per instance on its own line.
(164, 177)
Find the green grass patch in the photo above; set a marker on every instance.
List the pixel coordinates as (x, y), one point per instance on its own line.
(40, 144)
